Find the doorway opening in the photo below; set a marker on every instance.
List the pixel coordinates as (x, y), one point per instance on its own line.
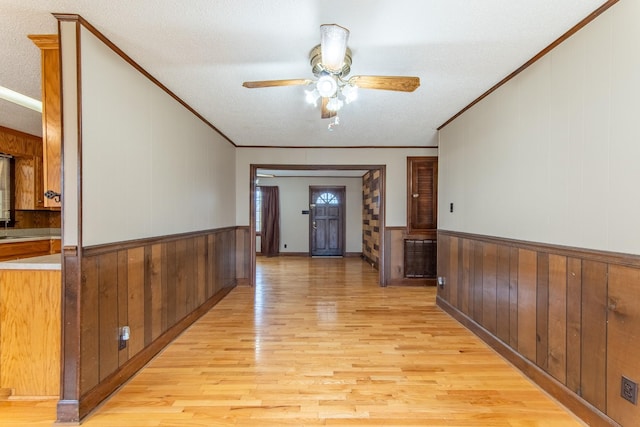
(259, 170)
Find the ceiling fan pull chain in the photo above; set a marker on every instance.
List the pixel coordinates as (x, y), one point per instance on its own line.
(333, 123)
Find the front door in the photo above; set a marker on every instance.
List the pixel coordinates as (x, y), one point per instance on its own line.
(326, 221)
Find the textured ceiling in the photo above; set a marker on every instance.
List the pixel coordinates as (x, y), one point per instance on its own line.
(203, 50)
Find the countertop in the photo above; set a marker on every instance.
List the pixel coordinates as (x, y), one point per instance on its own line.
(44, 262)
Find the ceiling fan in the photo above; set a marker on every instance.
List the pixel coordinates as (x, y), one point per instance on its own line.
(331, 63)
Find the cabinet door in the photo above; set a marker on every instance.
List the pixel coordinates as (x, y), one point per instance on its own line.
(51, 117)
(422, 196)
(28, 192)
(24, 180)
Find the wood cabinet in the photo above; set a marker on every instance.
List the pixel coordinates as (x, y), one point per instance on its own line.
(29, 193)
(419, 248)
(30, 330)
(51, 116)
(30, 248)
(27, 167)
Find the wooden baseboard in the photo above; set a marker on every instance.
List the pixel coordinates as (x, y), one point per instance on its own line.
(346, 255)
(411, 282)
(243, 282)
(580, 407)
(5, 393)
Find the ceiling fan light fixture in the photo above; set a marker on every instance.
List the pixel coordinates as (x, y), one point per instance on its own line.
(312, 96)
(330, 64)
(350, 93)
(334, 104)
(327, 86)
(333, 42)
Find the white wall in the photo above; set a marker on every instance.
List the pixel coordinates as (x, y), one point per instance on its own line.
(395, 160)
(150, 167)
(294, 198)
(554, 155)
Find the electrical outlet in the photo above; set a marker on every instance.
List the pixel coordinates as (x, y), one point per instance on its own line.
(123, 337)
(629, 390)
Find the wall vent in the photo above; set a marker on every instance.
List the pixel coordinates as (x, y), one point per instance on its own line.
(420, 258)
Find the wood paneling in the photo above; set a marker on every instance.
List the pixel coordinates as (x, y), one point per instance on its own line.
(502, 294)
(123, 302)
(574, 324)
(489, 287)
(452, 269)
(527, 328)
(594, 333)
(557, 327)
(108, 314)
(623, 341)
(30, 334)
(90, 326)
(466, 303)
(568, 314)
(157, 287)
(155, 317)
(513, 296)
(394, 240)
(243, 244)
(476, 280)
(135, 300)
(542, 311)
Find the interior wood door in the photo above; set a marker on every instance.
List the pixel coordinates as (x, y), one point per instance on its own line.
(327, 206)
(422, 194)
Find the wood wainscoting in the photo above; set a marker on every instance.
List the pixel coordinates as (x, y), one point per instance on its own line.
(157, 287)
(395, 258)
(568, 318)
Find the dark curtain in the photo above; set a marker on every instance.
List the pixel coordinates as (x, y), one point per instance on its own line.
(270, 226)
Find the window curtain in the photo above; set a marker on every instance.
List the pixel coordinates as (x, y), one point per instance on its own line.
(270, 226)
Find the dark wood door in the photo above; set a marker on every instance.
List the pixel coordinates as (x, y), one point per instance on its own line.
(422, 194)
(326, 221)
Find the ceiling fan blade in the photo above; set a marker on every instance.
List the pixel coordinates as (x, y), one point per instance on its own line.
(399, 83)
(325, 112)
(272, 83)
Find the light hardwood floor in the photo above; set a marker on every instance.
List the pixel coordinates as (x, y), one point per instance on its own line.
(317, 342)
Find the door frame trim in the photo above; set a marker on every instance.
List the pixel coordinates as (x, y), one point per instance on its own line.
(253, 169)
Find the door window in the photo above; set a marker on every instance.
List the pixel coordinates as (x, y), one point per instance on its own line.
(327, 199)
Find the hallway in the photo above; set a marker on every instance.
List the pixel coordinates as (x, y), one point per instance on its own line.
(317, 342)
